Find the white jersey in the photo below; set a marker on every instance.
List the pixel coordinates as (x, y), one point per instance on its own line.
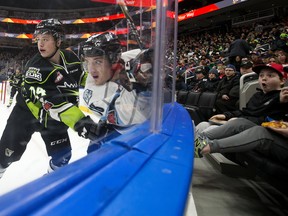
(115, 104)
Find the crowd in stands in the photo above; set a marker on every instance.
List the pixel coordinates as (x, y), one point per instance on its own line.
(210, 61)
(214, 61)
(266, 42)
(12, 59)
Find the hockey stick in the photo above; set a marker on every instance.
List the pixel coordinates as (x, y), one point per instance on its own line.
(130, 22)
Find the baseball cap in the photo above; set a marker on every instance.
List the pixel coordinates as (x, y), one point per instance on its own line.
(246, 64)
(214, 71)
(200, 70)
(276, 67)
(231, 66)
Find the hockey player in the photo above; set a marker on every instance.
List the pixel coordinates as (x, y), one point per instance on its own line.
(48, 102)
(109, 92)
(15, 83)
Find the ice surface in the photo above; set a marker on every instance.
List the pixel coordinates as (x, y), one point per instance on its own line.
(34, 162)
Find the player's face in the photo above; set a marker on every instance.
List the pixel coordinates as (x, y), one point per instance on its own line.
(46, 44)
(99, 68)
(269, 80)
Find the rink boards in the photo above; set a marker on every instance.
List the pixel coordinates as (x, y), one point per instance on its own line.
(139, 173)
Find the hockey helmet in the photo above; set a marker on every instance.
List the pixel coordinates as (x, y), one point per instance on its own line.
(141, 67)
(50, 26)
(105, 44)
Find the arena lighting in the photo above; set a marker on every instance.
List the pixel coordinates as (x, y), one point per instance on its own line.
(77, 21)
(132, 3)
(171, 14)
(207, 9)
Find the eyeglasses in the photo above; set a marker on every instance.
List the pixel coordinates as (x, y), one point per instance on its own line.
(229, 70)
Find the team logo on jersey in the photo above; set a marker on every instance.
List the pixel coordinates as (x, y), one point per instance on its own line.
(59, 77)
(47, 105)
(98, 109)
(33, 73)
(8, 152)
(87, 95)
(112, 117)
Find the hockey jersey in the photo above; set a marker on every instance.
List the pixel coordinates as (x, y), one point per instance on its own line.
(114, 104)
(52, 90)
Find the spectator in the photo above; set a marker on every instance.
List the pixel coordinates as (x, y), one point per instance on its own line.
(246, 66)
(201, 77)
(221, 69)
(264, 103)
(237, 63)
(271, 60)
(256, 58)
(180, 82)
(281, 57)
(15, 81)
(241, 135)
(228, 90)
(212, 81)
(257, 111)
(239, 47)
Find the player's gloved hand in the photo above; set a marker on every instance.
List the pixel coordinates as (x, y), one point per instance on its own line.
(88, 129)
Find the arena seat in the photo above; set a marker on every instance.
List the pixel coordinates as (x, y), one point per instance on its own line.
(206, 103)
(192, 98)
(200, 105)
(248, 85)
(182, 97)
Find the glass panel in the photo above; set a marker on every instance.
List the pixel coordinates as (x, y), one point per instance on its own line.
(125, 49)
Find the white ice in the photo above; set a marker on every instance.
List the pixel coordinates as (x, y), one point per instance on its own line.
(34, 162)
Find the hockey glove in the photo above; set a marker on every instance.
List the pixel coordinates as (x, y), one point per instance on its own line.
(88, 129)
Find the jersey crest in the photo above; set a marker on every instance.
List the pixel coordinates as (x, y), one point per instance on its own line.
(87, 95)
(33, 73)
(112, 117)
(59, 77)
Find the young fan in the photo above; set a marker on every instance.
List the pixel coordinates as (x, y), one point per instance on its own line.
(243, 131)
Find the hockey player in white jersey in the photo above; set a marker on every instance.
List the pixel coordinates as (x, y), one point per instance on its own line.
(117, 92)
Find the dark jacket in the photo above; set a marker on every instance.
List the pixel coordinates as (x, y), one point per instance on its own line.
(260, 106)
(229, 87)
(198, 85)
(239, 47)
(211, 85)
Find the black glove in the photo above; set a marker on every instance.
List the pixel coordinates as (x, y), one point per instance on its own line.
(88, 129)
